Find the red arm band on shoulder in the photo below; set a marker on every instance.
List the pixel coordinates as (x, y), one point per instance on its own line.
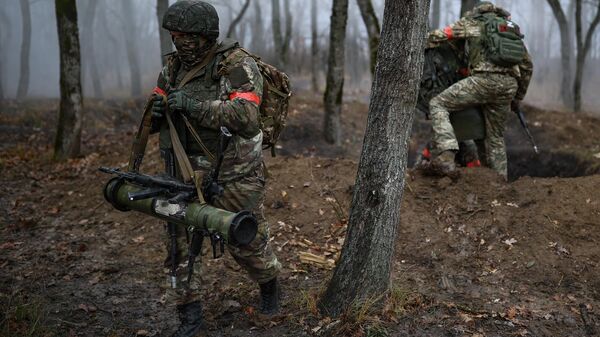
(248, 96)
(448, 32)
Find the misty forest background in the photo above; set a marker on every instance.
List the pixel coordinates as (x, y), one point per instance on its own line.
(120, 46)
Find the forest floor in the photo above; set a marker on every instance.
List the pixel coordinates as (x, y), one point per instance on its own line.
(475, 257)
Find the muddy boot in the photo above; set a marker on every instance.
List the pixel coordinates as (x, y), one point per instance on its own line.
(269, 297)
(444, 163)
(190, 317)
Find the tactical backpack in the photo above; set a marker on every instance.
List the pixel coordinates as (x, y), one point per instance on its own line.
(275, 98)
(502, 40)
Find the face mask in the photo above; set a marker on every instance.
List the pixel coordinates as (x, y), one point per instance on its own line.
(191, 49)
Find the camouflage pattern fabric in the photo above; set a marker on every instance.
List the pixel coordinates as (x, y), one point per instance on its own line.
(493, 92)
(257, 258)
(216, 104)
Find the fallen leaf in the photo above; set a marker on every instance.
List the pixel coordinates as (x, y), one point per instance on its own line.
(510, 242)
(138, 239)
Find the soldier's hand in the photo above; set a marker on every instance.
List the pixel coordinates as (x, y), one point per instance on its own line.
(159, 106)
(515, 105)
(179, 101)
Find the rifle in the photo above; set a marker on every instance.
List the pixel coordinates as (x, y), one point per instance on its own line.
(211, 190)
(523, 121)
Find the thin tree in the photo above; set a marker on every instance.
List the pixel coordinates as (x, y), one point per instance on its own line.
(583, 48)
(565, 50)
(373, 29)
(287, 37)
(23, 87)
(335, 73)
(70, 113)
(436, 12)
(237, 19)
(165, 38)
(276, 26)
(314, 46)
(5, 32)
(466, 5)
(258, 30)
(364, 268)
(89, 46)
(131, 46)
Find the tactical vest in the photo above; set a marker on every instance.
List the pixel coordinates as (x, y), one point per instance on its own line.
(243, 155)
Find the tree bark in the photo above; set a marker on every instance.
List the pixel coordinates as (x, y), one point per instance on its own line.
(131, 47)
(335, 73)
(583, 48)
(70, 114)
(364, 268)
(436, 12)
(287, 40)
(237, 19)
(5, 33)
(466, 5)
(165, 38)
(373, 29)
(90, 58)
(23, 87)
(314, 46)
(565, 50)
(277, 38)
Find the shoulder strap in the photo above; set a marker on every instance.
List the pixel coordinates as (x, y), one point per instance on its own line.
(194, 71)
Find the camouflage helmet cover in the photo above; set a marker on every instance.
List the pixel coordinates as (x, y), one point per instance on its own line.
(192, 16)
(482, 7)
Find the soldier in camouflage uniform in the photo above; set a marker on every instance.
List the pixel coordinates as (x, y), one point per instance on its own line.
(490, 86)
(226, 91)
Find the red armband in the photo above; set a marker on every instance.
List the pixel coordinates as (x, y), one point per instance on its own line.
(449, 33)
(159, 91)
(248, 96)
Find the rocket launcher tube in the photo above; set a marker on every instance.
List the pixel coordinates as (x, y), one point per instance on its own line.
(238, 229)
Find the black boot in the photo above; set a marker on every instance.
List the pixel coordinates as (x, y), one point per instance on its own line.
(269, 297)
(190, 316)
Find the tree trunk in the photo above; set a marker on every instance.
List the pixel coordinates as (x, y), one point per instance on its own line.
(237, 19)
(25, 50)
(582, 50)
(258, 31)
(314, 46)
(466, 5)
(165, 38)
(436, 14)
(70, 114)
(364, 268)
(335, 73)
(373, 29)
(5, 33)
(131, 38)
(565, 50)
(90, 58)
(277, 39)
(285, 44)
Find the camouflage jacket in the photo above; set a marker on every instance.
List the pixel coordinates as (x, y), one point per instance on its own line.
(470, 30)
(227, 93)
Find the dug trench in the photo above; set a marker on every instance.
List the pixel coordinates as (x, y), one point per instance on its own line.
(474, 257)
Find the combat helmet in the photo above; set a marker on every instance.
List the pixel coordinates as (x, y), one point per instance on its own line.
(482, 7)
(192, 16)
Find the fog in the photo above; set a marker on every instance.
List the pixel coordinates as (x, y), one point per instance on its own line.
(105, 33)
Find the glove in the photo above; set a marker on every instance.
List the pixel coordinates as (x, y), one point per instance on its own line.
(515, 105)
(159, 107)
(179, 101)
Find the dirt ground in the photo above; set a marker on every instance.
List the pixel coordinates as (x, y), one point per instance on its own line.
(474, 257)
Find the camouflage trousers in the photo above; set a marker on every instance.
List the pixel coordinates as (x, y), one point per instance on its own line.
(493, 92)
(257, 258)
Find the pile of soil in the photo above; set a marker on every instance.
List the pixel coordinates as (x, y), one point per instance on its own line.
(475, 257)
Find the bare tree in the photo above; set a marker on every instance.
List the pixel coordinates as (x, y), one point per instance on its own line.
(25, 49)
(287, 38)
(565, 49)
(466, 5)
(237, 19)
(131, 46)
(5, 32)
(583, 48)
(314, 46)
(70, 114)
(89, 43)
(258, 30)
(165, 39)
(436, 12)
(335, 73)
(281, 41)
(364, 268)
(373, 29)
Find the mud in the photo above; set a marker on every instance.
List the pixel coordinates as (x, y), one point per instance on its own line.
(474, 257)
